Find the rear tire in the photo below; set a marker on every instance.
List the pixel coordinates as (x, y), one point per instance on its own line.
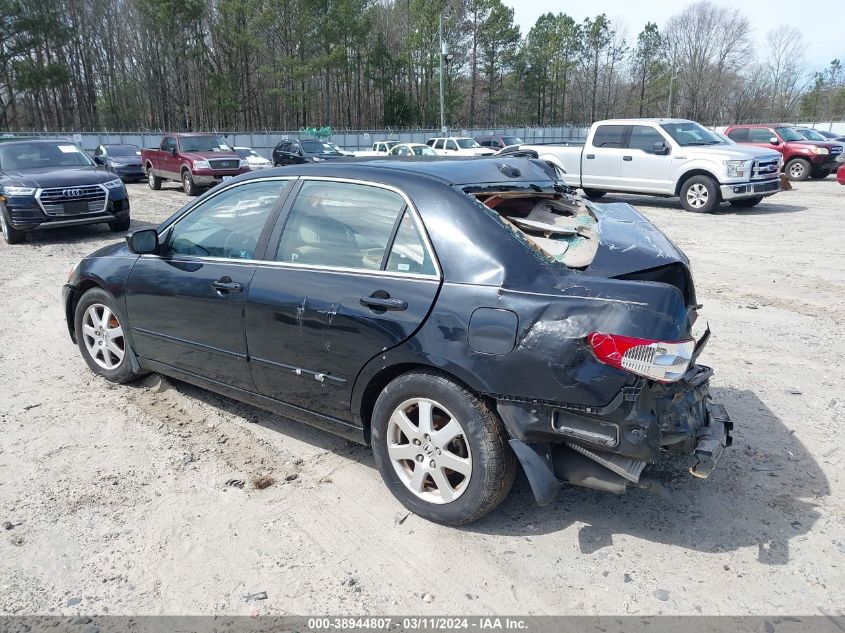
(11, 235)
(188, 184)
(460, 430)
(797, 169)
(121, 225)
(700, 194)
(594, 194)
(100, 328)
(152, 180)
(746, 202)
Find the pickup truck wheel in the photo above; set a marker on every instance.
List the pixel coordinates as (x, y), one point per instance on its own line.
(440, 450)
(594, 193)
(11, 235)
(188, 184)
(699, 194)
(152, 180)
(797, 169)
(100, 335)
(746, 202)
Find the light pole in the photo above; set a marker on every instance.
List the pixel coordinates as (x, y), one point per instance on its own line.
(442, 92)
(671, 83)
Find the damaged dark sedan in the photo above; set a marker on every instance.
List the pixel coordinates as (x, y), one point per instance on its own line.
(462, 317)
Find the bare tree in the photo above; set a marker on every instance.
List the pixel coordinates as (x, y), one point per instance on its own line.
(784, 71)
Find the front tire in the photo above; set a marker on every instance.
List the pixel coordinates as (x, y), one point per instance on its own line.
(121, 225)
(746, 202)
(797, 169)
(422, 418)
(188, 184)
(99, 328)
(700, 194)
(11, 235)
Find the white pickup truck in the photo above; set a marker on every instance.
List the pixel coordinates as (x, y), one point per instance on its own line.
(665, 157)
(379, 148)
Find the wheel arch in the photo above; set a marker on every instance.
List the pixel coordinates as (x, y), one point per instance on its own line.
(691, 174)
(369, 393)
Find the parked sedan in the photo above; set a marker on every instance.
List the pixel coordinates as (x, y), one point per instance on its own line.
(253, 158)
(459, 317)
(124, 160)
(840, 175)
(411, 149)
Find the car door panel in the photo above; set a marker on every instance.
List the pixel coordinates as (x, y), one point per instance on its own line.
(601, 160)
(179, 319)
(186, 303)
(642, 169)
(309, 334)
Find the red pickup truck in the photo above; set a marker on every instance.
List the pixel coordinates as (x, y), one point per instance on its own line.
(195, 160)
(802, 159)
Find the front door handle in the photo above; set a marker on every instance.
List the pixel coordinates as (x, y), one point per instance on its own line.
(628, 158)
(225, 285)
(384, 302)
(590, 156)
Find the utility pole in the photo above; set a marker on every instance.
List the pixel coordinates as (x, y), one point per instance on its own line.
(671, 85)
(442, 93)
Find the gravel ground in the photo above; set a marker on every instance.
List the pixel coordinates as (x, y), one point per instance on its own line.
(113, 498)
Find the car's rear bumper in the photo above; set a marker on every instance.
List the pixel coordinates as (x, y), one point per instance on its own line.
(751, 189)
(607, 448)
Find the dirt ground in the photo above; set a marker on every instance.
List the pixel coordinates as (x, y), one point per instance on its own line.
(114, 497)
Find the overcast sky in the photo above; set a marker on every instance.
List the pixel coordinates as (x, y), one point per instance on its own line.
(821, 23)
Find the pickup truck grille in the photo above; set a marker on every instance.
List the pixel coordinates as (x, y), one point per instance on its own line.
(224, 164)
(764, 168)
(836, 150)
(62, 201)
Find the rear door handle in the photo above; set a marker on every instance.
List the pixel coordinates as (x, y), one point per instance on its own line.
(384, 303)
(225, 285)
(628, 158)
(590, 156)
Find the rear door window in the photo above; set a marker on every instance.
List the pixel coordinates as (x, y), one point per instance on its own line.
(609, 136)
(340, 225)
(438, 144)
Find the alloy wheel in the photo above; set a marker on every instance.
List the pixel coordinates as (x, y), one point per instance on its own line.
(186, 182)
(429, 450)
(150, 177)
(103, 336)
(4, 227)
(697, 195)
(796, 170)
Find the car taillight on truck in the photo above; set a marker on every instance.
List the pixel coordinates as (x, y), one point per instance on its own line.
(663, 361)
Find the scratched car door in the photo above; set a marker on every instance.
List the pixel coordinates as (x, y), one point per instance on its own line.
(351, 275)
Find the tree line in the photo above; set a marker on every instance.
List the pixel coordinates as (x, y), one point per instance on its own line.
(367, 64)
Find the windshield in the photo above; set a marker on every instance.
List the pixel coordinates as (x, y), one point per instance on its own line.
(245, 152)
(811, 135)
(123, 150)
(423, 150)
(512, 140)
(205, 144)
(688, 133)
(22, 156)
(467, 143)
(318, 147)
(789, 134)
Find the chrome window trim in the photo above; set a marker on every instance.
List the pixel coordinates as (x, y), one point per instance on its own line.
(270, 263)
(410, 206)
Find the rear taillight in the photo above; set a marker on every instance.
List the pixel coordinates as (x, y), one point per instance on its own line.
(664, 361)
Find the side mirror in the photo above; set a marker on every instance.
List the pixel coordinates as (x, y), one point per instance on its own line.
(660, 148)
(142, 241)
(774, 140)
(173, 151)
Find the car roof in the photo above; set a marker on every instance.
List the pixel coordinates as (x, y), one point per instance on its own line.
(449, 171)
(36, 140)
(641, 121)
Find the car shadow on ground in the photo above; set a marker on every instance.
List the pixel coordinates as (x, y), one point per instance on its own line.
(93, 233)
(762, 494)
(767, 207)
(758, 496)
